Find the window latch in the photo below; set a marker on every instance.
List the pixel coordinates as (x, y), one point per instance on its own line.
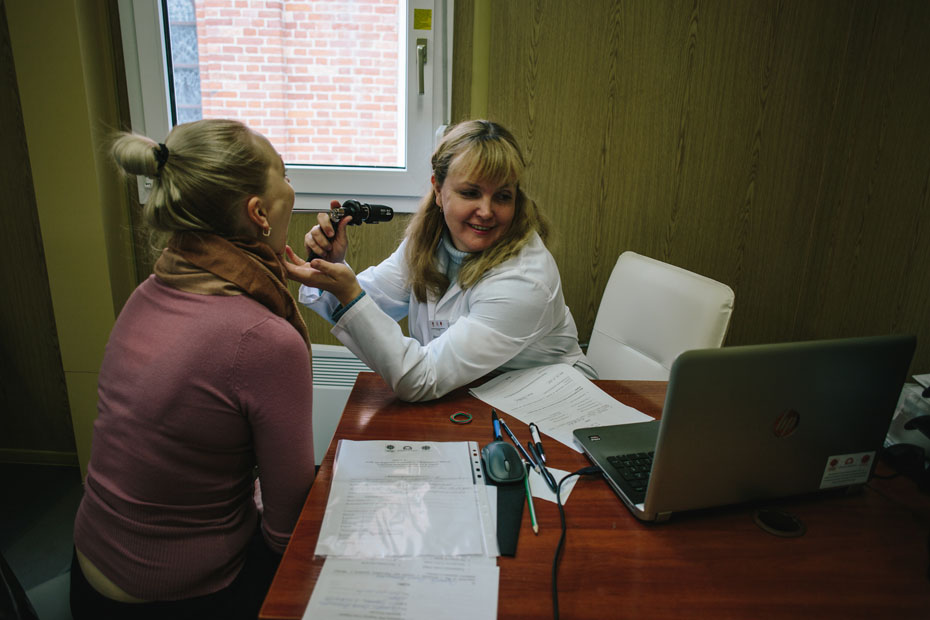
(421, 61)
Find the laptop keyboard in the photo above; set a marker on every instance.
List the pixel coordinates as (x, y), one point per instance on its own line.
(633, 470)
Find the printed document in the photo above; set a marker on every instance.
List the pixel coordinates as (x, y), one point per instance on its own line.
(421, 588)
(407, 498)
(558, 399)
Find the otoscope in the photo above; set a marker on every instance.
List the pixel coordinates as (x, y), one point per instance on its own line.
(361, 214)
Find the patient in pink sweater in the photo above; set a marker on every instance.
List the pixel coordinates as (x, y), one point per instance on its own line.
(205, 384)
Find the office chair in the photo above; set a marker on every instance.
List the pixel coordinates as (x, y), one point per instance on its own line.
(650, 313)
(14, 604)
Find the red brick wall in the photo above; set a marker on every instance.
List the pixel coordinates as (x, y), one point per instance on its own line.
(320, 79)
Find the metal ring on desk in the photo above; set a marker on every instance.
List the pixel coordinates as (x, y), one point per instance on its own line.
(460, 417)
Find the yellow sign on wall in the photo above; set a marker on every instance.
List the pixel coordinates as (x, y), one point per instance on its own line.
(422, 19)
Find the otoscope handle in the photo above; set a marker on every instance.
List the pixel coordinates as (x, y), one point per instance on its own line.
(361, 213)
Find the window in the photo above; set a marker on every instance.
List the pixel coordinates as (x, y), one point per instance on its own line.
(184, 75)
(334, 84)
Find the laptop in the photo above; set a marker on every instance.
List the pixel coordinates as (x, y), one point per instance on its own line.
(756, 422)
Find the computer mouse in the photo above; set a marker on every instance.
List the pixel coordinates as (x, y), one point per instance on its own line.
(920, 423)
(502, 462)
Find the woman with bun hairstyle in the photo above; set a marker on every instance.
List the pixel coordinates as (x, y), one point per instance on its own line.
(205, 384)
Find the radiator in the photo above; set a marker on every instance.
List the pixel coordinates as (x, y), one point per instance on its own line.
(334, 372)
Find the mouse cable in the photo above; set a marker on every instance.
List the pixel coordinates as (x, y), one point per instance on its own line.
(558, 550)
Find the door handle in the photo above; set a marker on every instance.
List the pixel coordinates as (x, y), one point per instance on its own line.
(421, 61)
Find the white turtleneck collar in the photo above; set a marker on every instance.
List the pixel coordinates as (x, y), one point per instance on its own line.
(456, 257)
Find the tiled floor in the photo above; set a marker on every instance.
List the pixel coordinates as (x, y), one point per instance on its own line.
(36, 523)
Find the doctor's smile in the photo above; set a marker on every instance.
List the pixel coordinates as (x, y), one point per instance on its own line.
(477, 212)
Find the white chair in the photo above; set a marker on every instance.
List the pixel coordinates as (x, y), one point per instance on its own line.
(650, 313)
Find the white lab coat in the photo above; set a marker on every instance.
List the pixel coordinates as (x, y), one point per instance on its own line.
(513, 318)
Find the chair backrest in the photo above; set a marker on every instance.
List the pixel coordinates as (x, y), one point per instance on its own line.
(14, 602)
(650, 313)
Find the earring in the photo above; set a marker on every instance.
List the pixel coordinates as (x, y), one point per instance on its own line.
(266, 231)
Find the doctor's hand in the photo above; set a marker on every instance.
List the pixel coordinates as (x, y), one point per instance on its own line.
(336, 278)
(325, 241)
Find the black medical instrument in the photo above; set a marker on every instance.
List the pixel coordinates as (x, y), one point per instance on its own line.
(361, 213)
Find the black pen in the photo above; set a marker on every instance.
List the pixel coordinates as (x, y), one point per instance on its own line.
(534, 433)
(516, 442)
(497, 425)
(547, 476)
(534, 461)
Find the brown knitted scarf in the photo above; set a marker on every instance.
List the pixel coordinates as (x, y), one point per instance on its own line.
(250, 265)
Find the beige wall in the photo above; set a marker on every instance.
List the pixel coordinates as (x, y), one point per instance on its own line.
(66, 82)
(33, 393)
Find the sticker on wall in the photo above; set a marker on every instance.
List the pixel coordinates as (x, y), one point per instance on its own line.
(846, 469)
(422, 19)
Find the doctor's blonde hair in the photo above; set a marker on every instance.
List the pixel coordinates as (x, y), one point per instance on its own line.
(484, 150)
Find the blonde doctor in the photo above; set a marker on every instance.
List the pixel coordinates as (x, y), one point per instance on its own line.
(473, 276)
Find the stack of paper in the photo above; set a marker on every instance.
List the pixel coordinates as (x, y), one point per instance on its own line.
(408, 533)
(392, 588)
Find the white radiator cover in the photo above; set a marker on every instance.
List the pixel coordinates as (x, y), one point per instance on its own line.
(334, 372)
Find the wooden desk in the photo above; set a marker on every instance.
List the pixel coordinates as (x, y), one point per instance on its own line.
(863, 555)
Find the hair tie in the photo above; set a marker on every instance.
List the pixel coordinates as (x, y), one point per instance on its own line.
(161, 154)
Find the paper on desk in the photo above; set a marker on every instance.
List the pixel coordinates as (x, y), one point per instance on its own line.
(422, 588)
(558, 399)
(407, 498)
(924, 380)
(541, 490)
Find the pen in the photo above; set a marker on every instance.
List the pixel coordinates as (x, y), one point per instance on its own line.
(550, 481)
(529, 498)
(497, 425)
(516, 441)
(534, 433)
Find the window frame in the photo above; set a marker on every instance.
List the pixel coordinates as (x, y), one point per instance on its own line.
(145, 56)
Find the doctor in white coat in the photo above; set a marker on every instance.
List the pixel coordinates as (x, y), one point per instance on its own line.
(473, 276)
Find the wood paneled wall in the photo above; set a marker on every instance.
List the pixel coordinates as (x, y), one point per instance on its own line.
(781, 147)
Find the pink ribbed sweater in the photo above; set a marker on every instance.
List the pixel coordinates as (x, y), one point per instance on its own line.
(194, 390)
